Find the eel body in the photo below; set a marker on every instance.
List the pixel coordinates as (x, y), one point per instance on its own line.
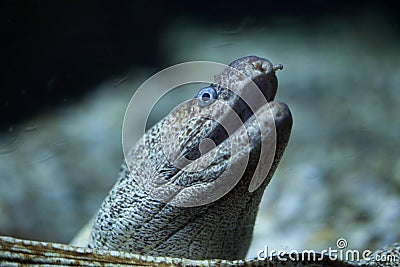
(189, 192)
(192, 185)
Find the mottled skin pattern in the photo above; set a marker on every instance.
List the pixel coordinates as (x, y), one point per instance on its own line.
(132, 220)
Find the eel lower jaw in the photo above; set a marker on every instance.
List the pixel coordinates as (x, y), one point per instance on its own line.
(254, 151)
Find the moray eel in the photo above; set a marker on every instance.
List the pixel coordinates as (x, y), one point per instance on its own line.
(189, 192)
(213, 148)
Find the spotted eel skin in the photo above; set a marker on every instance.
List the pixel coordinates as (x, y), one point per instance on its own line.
(136, 228)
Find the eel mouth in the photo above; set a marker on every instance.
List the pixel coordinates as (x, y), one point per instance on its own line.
(208, 149)
(234, 137)
(256, 88)
(245, 86)
(247, 159)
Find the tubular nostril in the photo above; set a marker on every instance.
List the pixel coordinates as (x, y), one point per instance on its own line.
(277, 67)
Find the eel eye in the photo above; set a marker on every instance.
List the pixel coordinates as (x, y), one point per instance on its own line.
(206, 96)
